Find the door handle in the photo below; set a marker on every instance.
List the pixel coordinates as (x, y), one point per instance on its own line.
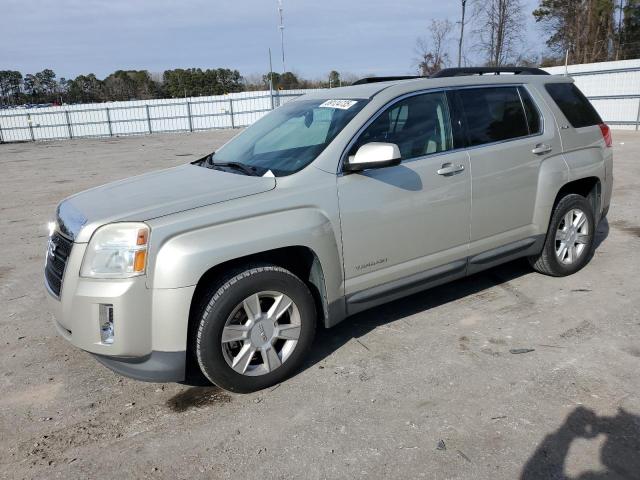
(541, 148)
(449, 169)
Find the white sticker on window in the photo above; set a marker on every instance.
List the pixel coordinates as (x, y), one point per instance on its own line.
(341, 104)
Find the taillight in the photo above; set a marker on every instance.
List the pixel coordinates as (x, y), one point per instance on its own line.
(606, 134)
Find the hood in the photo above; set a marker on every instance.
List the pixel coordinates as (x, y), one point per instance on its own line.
(153, 195)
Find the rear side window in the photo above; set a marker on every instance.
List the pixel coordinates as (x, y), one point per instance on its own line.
(573, 104)
(492, 114)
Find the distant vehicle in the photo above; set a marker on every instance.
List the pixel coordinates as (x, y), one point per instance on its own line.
(331, 204)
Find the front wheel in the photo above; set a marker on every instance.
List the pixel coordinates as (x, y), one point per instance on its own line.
(569, 243)
(256, 329)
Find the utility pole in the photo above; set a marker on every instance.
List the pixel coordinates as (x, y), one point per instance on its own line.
(464, 9)
(281, 27)
(271, 81)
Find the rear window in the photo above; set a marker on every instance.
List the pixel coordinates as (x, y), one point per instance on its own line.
(573, 104)
(492, 114)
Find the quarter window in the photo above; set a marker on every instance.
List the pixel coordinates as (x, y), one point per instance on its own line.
(573, 104)
(492, 114)
(419, 125)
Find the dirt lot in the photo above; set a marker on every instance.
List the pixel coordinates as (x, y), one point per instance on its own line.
(425, 387)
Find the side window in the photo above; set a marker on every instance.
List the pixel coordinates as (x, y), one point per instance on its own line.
(492, 114)
(573, 104)
(532, 113)
(419, 125)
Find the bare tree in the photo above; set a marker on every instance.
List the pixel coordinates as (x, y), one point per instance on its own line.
(348, 77)
(432, 51)
(501, 24)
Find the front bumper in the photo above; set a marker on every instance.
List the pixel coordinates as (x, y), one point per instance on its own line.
(155, 367)
(150, 325)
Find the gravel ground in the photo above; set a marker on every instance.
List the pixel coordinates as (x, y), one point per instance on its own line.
(425, 387)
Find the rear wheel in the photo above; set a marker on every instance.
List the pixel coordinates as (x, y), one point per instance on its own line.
(256, 329)
(570, 239)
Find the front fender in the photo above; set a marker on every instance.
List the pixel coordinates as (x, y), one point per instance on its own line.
(184, 258)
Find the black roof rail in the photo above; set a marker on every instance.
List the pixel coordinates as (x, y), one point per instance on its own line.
(458, 72)
(363, 81)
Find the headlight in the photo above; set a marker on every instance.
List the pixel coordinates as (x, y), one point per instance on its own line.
(117, 250)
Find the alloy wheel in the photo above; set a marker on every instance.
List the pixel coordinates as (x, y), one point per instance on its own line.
(261, 333)
(572, 236)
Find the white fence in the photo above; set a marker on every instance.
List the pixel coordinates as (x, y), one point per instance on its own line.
(612, 87)
(139, 116)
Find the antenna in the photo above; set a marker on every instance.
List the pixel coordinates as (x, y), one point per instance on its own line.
(281, 27)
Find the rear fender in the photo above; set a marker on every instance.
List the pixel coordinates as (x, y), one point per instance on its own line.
(553, 174)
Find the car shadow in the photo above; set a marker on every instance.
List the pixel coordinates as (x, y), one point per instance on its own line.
(619, 455)
(399, 176)
(329, 340)
(602, 232)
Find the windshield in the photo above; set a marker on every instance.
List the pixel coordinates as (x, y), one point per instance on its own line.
(289, 138)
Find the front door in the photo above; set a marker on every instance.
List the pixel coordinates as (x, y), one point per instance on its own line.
(400, 224)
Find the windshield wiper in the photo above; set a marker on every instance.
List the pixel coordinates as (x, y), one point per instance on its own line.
(246, 169)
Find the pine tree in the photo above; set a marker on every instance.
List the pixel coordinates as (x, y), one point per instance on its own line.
(630, 31)
(584, 28)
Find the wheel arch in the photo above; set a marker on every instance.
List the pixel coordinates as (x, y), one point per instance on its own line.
(588, 187)
(300, 260)
(555, 181)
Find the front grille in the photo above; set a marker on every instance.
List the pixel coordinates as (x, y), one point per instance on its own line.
(58, 252)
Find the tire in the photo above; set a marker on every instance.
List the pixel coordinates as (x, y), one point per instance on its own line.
(248, 311)
(553, 260)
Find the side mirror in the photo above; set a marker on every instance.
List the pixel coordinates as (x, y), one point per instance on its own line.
(374, 155)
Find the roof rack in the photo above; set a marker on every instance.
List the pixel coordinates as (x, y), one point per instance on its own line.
(458, 72)
(363, 81)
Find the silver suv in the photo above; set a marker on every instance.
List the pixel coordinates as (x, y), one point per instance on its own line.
(332, 204)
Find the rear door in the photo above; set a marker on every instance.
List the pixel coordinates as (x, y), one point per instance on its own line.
(507, 139)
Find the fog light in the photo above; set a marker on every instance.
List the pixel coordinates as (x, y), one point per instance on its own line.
(106, 324)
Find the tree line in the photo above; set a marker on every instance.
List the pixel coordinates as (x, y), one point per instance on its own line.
(45, 87)
(577, 31)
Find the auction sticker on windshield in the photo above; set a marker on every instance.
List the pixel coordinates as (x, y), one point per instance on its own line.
(341, 104)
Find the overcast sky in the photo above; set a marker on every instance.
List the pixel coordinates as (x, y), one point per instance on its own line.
(99, 36)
